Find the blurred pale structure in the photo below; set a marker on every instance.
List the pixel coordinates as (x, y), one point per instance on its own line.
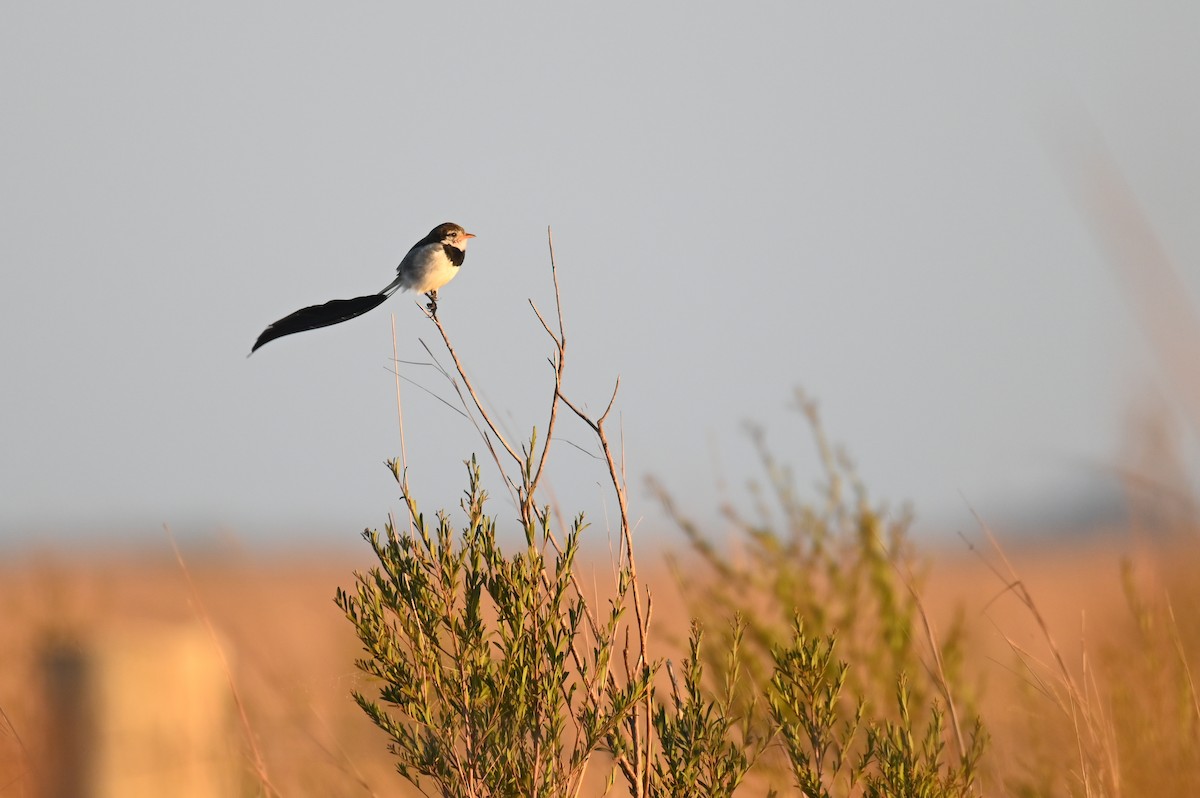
(141, 710)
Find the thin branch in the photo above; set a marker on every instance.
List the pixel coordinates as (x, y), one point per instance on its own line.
(642, 747)
(487, 441)
(471, 390)
(545, 326)
(560, 363)
(400, 422)
(421, 387)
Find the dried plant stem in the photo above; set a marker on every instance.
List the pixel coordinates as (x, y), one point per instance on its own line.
(260, 765)
(462, 372)
(939, 666)
(1177, 642)
(1076, 704)
(400, 421)
(24, 751)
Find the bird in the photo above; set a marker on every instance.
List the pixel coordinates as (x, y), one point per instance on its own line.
(430, 264)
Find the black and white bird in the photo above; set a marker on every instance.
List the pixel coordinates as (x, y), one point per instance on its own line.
(431, 263)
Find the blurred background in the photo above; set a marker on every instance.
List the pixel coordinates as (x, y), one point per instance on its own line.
(968, 232)
(872, 204)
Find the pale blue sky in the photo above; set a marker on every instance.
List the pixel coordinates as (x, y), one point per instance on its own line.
(860, 200)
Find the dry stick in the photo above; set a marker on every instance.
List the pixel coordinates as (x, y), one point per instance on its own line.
(430, 393)
(598, 427)
(260, 766)
(471, 390)
(619, 487)
(1083, 765)
(940, 667)
(558, 363)
(400, 420)
(931, 638)
(643, 625)
(487, 441)
(642, 748)
(561, 344)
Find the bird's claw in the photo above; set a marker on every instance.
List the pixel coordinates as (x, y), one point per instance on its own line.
(432, 306)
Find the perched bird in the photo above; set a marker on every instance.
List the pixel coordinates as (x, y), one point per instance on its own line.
(431, 263)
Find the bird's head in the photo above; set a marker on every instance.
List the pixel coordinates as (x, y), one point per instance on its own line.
(452, 234)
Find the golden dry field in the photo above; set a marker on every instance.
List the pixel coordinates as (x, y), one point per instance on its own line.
(290, 657)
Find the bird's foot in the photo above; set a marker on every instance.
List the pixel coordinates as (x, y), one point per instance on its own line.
(432, 306)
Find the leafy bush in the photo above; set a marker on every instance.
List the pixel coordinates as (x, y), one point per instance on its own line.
(497, 677)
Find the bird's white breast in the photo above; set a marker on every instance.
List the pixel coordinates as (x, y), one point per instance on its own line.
(426, 270)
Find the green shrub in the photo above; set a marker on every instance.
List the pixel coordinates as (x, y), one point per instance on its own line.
(498, 678)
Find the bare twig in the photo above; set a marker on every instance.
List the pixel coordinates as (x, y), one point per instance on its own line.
(400, 422)
(487, 441)
(471, 390)
(642, 743)
(420, 387)
(559, 363)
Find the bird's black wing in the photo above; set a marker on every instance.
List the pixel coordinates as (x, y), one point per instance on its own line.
(314, 316)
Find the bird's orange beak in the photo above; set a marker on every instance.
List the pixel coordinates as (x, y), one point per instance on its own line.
(468, 235)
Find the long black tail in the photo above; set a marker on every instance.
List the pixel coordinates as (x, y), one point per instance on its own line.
(314, 316)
